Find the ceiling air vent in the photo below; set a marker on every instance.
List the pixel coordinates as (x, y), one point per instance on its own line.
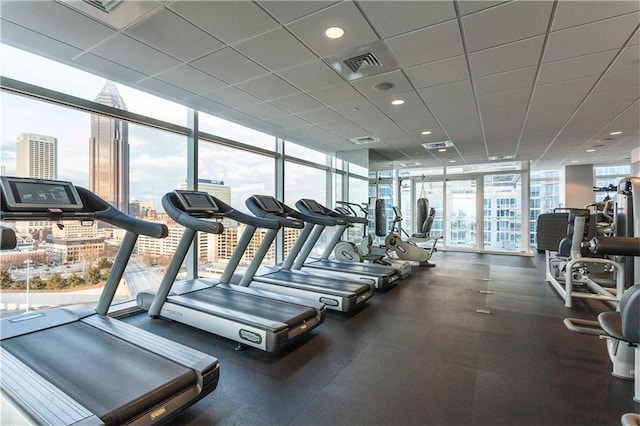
(104, 5)
(365, 140)
(360, 62)
(437, 145)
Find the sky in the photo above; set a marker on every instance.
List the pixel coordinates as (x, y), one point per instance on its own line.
(157, 158)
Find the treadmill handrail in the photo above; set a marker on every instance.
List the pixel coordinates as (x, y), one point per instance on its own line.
(94, 208)
(171, 207)
(287, 219)
(327, 218)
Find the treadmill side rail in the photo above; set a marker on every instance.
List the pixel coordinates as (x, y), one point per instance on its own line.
(27, 397)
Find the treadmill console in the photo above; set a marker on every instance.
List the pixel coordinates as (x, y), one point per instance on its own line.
(312, 205)
(196, 201)
(26, 194)
(268, 203)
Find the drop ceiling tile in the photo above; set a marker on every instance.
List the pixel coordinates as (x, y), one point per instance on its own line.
(122, 49)
(55, 20)
(501, 99)
(415, 115)
(506, 23)
(297, 103)
(581, 66)
(629, 94)
(264, 111)
(108, 69)
(229, 66)
(336, 95)
(471, 6)
(397, 78)
(451, 108)
(289, 52)
(205, 105)
(287, 11)
(268, 87)
(427, 45)
(499, 112)
(321, 115)
(25, 39)
(573, 13)
(311, 76)
(447, 92)
(344, 128)
(237, 116)
(629, 58)
(229, 21)
(510, 80)
(162, 89)
(391, 18)
(590, 38)
(440, 72)
(635, 40)
(507, 57)
(372, 120)
(554, 106)
(310, 30)
(288, 122)
(191, 79)
(174, 36)
(233, 97)
(619, 79)
(578, 86)
(357, 108)
(411, 100)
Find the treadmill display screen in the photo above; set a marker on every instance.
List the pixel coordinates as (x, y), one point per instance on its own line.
(313, 205)
(268, 204)
(37, 194)
(194, 201)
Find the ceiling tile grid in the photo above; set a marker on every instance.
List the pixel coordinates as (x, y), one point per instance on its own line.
(266, 64)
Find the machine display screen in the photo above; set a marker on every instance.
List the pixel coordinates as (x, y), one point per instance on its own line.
(196, 201)
(268, 204)
(313, 205)
(37, 194)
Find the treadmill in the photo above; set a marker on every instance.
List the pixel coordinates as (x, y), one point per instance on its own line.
(74, 364)
(251, 317)
(337, 294)
(382, 276)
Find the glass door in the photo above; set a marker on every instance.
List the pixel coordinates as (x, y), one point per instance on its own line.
(461, 226)
(502, 211)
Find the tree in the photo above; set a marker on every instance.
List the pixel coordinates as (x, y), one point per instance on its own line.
(6, 280)
(55, 281)
(74, 280)
(38, 283)
(93, 276)
(104, 263)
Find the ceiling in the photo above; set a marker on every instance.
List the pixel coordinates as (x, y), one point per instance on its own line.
(537, 80)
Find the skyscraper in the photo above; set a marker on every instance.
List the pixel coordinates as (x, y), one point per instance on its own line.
(109, 152)
(36, 156)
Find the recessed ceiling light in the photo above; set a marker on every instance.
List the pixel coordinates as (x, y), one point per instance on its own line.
(452, 161)
(334, 32)
(426, 132)
(591, 150)
(397, 102)
(442, 150)
(615, 133)
(574, 161)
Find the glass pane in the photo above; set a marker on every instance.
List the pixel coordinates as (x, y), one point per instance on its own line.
(233, 175)
(544, 196)
(70, 265)
(27, 67)
(461, 214)
(503, 212)
(229, 130)
(298, 151)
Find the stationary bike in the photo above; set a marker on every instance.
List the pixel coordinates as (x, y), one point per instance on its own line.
(406, 250)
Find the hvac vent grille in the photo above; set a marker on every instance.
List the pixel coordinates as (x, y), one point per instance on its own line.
(360, 62)
(104, 5)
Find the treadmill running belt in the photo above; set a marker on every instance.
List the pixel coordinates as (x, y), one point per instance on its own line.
(123, 379)
(352, 267)
(317, 281)
(263, 307)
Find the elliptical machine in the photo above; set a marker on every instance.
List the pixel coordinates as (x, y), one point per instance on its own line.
(406, 250)
(347, 251)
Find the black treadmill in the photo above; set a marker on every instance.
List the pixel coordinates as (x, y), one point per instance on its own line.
(337, 294)
(383, 277)
(251, 317)
(76, 365)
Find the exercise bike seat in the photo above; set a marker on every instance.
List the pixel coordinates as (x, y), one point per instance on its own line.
(623, 325)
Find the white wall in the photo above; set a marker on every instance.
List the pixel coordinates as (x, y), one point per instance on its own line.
(578, 185)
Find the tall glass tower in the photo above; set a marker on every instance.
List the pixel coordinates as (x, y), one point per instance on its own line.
(109, 152)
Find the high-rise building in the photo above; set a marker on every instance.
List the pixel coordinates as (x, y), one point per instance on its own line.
(109, 151)
(36, 156)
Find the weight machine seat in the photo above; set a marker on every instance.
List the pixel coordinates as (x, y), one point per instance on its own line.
(624, 325)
